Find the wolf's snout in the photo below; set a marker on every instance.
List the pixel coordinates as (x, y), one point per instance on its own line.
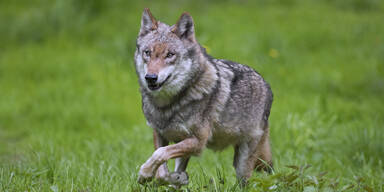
(152, 81)
(151, 78)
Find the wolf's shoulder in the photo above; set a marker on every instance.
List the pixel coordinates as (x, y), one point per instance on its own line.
(244, 78)
(239, 71)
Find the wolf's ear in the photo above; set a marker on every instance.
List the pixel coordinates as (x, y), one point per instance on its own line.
(148, 22)
(184, 28)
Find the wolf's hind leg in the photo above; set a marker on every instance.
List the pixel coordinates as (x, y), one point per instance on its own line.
(263, 154)
(248, 154)
(242, 163)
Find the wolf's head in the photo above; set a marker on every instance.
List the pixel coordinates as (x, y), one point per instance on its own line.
(165, 56)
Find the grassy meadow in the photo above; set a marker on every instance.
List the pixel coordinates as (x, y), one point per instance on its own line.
(70, 108)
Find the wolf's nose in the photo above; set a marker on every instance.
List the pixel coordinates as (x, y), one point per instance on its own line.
(151, 78)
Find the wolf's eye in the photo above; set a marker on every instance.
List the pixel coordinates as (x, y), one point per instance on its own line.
(169, 55)
(147, 52)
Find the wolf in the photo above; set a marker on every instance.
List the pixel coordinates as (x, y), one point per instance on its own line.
(195, 101)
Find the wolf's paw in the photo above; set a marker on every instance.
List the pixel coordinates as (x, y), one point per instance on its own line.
(162, 178)
(178, 178)
(144, 176)
(174, 179)
(142, 180)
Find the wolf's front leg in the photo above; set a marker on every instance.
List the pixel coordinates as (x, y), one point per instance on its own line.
(162, 172)
(145, 174)
(184, 148)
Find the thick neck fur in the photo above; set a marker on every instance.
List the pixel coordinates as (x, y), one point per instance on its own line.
(200, 84)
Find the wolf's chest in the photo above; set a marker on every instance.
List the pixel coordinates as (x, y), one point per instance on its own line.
(175, 132)
(174, 128)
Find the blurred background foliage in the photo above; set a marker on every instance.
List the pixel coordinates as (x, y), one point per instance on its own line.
(70, 109)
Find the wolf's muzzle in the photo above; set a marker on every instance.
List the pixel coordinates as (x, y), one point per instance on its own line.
(152, 81)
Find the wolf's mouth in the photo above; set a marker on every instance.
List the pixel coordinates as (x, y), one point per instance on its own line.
(156, 86)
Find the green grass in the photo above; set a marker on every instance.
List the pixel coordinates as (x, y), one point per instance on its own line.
(70, 109)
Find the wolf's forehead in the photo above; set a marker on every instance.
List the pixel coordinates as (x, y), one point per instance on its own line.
(164, 34)
(163, 28)
(155, 38)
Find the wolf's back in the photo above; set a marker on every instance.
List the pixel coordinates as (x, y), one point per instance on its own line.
(250, 94)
